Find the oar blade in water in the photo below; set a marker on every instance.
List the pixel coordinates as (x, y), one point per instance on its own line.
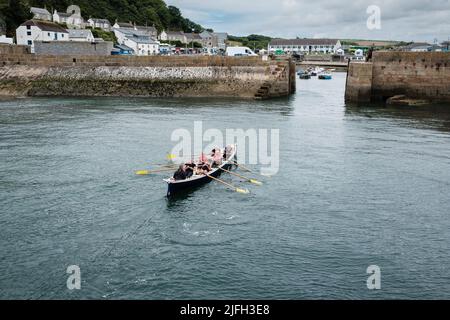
(243, 191)
(259, 183)
(142, 172)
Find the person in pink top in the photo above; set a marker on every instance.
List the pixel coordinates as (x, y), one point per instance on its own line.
(203, 158)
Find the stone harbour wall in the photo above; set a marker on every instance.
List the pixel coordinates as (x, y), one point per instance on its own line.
(417, 75)
(24, 74)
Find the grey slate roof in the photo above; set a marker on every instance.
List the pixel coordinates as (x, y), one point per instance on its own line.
(303, 42)
(175, 33)
(417, 45)
(123, 47)
(64, 14)
(125, 25)
(206, 34)
(80, 33)
(146, 28)
(95, 20)
(193, 36)
(131, 32)
(45, 26)
(35, 10)
(143, 40)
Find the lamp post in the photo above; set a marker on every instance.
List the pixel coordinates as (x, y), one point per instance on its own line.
(193, 30)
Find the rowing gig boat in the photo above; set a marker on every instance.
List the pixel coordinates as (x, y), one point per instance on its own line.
(176, 186)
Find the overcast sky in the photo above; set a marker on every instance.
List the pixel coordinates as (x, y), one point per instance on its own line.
(419, 20)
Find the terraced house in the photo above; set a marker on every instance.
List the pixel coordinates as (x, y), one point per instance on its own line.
(305, 46)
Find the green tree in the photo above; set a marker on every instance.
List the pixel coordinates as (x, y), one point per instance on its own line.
(142, 12)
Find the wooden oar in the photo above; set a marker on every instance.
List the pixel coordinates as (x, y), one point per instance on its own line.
(229, 185)
(254, 181)
(247, 169)
(147, 172)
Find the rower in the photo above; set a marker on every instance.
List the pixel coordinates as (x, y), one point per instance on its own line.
(181, 173)
(217, 157)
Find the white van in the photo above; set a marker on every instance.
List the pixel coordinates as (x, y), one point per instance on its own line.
(240, 52)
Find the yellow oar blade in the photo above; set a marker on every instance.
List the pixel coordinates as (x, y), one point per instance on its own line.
(259, 183)
(243, 191)
(171, 157)
(142, 172)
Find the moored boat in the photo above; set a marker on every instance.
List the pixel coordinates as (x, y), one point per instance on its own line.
(177, 186)
(300, 72)
(325, 76)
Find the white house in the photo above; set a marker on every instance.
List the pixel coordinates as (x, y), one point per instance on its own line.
(193, 37)
(121, 34)
(72, 17)
(305, 46)
(173, 36)
(119, 25)
(340, 52)
(418, 47)
(6, 40)
(99, 23)
(221, 39)
(209, 40)
(41, 14)
(81, 35)
(37, 30)
(139, 41)
(142, 45)
(151, 31)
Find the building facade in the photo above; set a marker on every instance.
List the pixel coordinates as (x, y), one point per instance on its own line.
(173, 36)
(151, 31)
(142, 46)
(138, 41)
(81, 35)
(72, 17)
(37, 30)
(193, 37)
(209, 40)
(5, 40)
(305, 46)
(123, 25)
(221, 40)
(103, 24)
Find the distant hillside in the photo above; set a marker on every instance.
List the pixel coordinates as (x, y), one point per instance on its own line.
(143, 12)
(252, 41)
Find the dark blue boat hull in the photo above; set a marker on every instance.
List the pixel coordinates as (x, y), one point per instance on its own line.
(176, 188)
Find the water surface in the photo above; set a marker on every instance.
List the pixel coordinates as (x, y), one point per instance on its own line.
(357, 186)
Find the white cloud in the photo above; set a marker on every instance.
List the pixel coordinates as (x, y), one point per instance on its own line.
(401, 19)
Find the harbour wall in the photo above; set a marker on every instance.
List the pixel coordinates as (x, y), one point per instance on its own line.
(25, 74)
(417, 75)
(82, 48)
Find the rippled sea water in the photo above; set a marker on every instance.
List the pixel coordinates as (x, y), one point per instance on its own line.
(357, 186)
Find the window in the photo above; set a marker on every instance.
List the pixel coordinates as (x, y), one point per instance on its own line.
(28, 27)
(30, 42)
(62, 35)
(28, 33)
(49, 34)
